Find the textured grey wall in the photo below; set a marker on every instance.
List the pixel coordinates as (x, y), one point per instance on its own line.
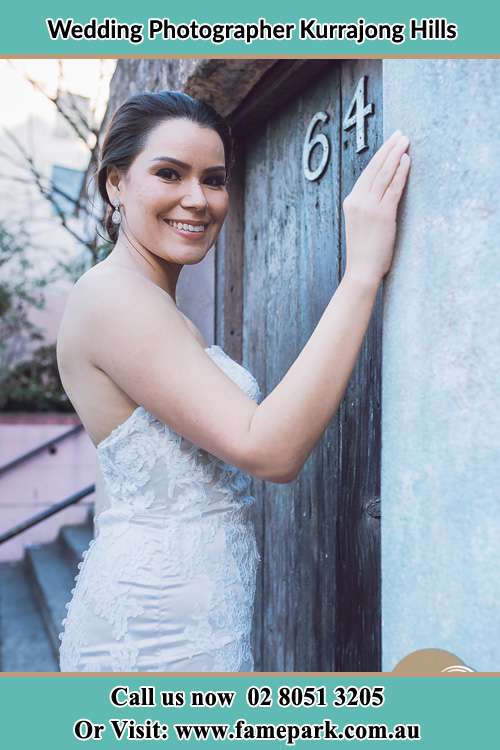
(441, 368)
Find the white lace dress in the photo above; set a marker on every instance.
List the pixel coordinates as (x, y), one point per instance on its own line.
(168, 583)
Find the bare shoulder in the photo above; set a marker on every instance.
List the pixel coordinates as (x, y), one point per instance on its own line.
(102, 286)
(106, 297)
(110, 314)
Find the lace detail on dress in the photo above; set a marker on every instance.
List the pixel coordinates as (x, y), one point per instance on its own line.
(169, 582)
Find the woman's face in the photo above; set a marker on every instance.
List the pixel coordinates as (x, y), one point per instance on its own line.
(174, 196)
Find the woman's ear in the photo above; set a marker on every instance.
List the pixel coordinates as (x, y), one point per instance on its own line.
(113, 184)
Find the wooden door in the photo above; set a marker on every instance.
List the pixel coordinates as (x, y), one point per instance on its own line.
(279, 261)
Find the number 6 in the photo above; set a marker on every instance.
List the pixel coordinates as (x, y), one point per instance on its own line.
(310, 143)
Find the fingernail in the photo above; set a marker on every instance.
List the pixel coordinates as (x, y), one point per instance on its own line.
(396, 133)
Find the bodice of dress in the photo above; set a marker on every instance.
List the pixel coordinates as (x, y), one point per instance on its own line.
(176, 548)
(146, 466)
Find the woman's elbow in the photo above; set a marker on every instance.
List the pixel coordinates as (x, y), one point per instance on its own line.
(286, 478)
(269, 465)
(276, 473)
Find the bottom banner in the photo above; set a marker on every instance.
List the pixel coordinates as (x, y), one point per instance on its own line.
(286, 709)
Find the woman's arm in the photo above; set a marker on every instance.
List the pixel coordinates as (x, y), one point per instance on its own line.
(137, 337)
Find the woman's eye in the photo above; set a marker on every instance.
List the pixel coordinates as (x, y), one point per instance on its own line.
(167, 174)
(216, 181)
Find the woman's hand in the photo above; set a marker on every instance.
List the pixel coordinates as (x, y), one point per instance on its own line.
(370, 211)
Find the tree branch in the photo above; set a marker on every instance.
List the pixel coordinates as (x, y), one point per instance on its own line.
(82, 128)
(48, 195)
(50, 187)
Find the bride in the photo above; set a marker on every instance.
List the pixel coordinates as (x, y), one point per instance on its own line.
(168, 583)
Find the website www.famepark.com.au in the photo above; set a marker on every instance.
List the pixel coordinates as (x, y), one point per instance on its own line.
(129, 729)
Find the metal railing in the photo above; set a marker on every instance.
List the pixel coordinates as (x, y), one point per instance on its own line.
(40, 448)
(56, 507)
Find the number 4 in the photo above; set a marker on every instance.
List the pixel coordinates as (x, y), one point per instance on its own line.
(357, 113)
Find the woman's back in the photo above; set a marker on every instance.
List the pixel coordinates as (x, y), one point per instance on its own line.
(100, 403)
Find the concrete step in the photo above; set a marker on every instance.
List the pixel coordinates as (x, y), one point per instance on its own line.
(52, 578)
(75, 540)
(24, 643)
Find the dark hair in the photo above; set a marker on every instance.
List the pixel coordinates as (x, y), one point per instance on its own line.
(133, 121)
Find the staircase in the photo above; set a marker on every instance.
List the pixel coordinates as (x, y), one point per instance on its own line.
(33, 594)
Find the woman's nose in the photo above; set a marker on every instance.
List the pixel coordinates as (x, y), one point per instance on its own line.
(194, 197)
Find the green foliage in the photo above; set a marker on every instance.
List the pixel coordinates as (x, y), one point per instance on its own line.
(20, 290)
(28, 372)
(29, 376)
(34, 385)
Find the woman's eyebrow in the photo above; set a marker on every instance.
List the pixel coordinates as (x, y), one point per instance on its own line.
(187, 166)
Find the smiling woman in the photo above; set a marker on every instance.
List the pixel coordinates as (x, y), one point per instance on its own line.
(169, 582)
(159, 201)
(147, 139)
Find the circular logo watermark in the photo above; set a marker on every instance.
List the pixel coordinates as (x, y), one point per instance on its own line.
(431, 661)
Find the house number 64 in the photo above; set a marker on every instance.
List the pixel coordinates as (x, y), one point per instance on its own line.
(357, 111)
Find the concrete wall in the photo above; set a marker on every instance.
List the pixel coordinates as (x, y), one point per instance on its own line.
(441, 364)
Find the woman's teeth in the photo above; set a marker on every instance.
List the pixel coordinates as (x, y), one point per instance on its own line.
(187, 227)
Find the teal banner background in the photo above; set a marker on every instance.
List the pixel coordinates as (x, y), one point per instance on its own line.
(23, 31)
(453, 711)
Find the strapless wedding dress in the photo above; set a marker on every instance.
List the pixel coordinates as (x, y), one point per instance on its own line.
(168, 583)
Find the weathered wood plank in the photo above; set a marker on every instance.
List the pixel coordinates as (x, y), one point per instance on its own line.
(255, 352)
(229, 267)
(317, 280)
(276, 87)
(291, 272)
(358, 625)
(318, 594)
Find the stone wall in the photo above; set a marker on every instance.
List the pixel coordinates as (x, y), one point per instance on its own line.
(221, 83)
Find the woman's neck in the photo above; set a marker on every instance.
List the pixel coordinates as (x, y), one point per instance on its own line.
(129, 254)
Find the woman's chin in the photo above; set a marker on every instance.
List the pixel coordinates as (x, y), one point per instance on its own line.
(184, 256)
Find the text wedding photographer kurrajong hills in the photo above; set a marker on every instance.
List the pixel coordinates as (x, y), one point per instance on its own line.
(110, 29)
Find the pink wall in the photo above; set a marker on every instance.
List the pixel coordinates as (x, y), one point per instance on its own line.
(44, 479)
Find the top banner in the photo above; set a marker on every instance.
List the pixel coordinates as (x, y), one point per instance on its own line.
(384, 29)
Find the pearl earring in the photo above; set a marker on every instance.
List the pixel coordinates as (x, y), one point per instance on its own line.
(116, 216)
